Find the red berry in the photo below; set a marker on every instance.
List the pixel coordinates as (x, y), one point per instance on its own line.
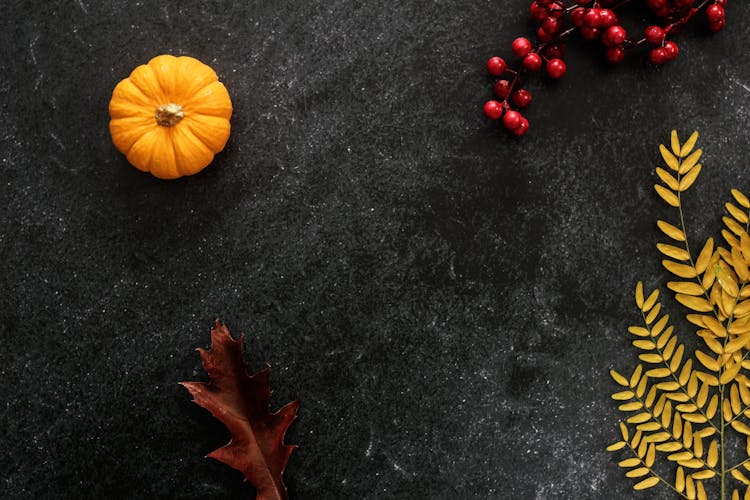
(577, 16)
(658, 56)
(607, 18)
(532, 62)
(538, 12)
(521, 46)
(556, 68)
(714, 13)
(554, 51)
(592, 18)
(551, 25)
(493, 110)
(717, 26)
(496, 66)
(502, 88)
(614, 36)
(655, 35)
(672, 50)
(543, 36)
(656, 4)
(615, 54)
(522, 128)
(556, 10)
(512, 119)
(589, 34)
(522, 98)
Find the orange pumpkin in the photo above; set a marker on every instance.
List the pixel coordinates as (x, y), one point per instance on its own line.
(170, 116)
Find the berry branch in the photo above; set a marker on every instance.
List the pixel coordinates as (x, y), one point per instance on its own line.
(595, 20)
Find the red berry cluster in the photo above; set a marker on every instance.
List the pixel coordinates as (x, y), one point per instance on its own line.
(596, 20)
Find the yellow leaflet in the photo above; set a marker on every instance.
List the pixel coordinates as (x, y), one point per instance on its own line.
(673, 251)
(647, 483)
(639, 295)
(675, 143)
(689, 162)
(669, 158)
(695, 303)
(685, 287)
(689, 179)
(671, 231)
(701, 264)
(741, 198)
(650, 301)
(687, 148)
(667, 195)
(736, 212)
(680, 270)
(668, 179)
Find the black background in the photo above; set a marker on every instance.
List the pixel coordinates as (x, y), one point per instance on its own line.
(445, 301)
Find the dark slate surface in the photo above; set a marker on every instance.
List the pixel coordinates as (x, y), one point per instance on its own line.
(444, 301)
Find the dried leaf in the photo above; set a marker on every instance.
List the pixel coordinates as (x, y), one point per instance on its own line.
(681, 270)
(673, 251)
(689, 162)
(241, 402)
(668, 179)
(701, 264)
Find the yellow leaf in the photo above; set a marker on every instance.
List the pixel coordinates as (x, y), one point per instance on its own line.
(695, 303)
(735, 495)
(650, 456)
(639, 331)
(701, 490)
(695, 418)
(651, 358)
(686, 287)
(742, 309)
(689, 145)
(675, 143)
(673, 251)
(669, 158)
(713, 405)
(734, 398)
(689, 162)
(731, 224)
(739, 264)
(741, 427)
(736, 344)
(667, 195)
(716, 326)
(618, 378)
(741, 198)
(693, 463)
(739, 476)
(647, 483)
(671, 231)
(735, 212)
(667, 178)
(681, 270)
(681, 456)
(639, 472)
(653, 313)
(650, 301)
(658, 373)
(639, 295)
(632, 406)
(616, 446)
(730, 372)
(646, 345)
(624, 431)
(623, 396)
(689, 179)
(679, 482)
(639, 418)
(701, 264)
(713, 453)
(744, 393)
(703, 474)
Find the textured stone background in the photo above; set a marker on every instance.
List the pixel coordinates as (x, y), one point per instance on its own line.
(444, 301)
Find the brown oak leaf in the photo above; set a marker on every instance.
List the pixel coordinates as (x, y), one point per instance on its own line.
(241, 402)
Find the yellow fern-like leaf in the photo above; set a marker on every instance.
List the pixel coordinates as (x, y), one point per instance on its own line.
(671, 231)
(690, 162)
(690, 178)
(647, 483)
(669, 158)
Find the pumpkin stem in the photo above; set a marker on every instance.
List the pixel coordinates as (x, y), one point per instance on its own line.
(169, 115)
